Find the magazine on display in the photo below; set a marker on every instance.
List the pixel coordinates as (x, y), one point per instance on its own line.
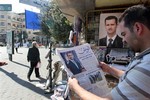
(99, 52)
(81, 62)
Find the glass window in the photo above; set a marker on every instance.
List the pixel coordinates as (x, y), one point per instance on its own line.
(2, 16)
(9, 23)
(2, 24)
(2, 30)
(9, 17)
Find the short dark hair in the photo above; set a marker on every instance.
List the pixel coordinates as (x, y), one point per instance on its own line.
(68, 52)
(137, 13)
(111, 17)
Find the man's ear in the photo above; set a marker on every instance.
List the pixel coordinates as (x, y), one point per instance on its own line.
(138, 28)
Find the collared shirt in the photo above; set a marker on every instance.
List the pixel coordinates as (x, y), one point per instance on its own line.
(135, 83)
(113, 38)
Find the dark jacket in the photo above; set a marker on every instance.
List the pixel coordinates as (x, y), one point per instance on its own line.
(33, 55)
(117, 43)
(73, 68)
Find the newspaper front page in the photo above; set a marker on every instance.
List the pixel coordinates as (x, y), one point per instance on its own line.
(81, 63)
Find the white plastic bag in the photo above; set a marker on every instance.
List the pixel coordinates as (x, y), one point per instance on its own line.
(38, 65)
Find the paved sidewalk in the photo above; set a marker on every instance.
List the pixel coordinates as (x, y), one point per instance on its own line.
(13, 77)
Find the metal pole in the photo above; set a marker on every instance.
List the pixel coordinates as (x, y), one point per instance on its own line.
(10, 57)
(50, 67)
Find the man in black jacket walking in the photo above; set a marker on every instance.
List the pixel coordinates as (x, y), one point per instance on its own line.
(34, 57)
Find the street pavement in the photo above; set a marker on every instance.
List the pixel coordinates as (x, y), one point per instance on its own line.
(14, 84)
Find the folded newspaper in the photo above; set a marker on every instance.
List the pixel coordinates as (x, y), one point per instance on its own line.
(81, 63)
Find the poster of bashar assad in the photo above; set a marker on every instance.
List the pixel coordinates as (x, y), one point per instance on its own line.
(109, 32)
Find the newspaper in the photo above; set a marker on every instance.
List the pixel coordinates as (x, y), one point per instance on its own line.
(100, 52)
(81, 63)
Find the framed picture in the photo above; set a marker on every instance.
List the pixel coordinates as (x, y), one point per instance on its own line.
(102, 28)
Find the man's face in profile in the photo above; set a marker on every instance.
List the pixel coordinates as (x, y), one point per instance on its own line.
(111, 26)
(70, 56)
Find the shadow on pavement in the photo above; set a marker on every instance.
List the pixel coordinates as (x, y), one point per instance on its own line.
(26, 84)
(19, 53)
(21, 64)
(42, 80)
(34, 80)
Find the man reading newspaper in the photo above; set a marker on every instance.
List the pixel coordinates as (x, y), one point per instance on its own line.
(135, 81)
(81, 63)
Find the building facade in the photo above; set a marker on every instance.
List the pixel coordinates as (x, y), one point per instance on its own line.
(10, 21)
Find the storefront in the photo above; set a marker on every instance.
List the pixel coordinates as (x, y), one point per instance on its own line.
(93, 14)
(92, 11)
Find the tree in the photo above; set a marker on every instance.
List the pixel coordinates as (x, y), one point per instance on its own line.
(55, 24)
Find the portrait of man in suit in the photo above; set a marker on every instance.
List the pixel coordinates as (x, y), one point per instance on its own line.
(109, 33)
(73, 64)
(112, 39)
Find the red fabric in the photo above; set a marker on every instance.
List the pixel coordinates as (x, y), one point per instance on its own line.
(3, 63)
(74, 40)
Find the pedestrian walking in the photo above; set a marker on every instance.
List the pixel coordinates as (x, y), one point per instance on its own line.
(54, 49)
(17, 46)
(34, 57)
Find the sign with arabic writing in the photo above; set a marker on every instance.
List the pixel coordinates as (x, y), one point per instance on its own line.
(5, 7)
(35, 3)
